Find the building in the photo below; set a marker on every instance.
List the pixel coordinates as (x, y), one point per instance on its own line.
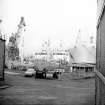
(84, 54)
(2, 58)
(84, 60)
(100, 54)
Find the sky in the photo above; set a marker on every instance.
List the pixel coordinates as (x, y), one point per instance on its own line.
(54, 20)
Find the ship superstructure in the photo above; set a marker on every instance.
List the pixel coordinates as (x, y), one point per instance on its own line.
(52, 54)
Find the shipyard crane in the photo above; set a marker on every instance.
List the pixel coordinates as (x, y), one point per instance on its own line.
(14, 40)
(20, 30)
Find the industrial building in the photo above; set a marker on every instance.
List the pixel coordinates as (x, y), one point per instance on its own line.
(2, 58)
(100, 54)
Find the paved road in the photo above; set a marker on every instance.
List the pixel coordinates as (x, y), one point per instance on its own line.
(28, 91)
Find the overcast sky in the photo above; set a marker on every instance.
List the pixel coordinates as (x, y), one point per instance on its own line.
(57, 20)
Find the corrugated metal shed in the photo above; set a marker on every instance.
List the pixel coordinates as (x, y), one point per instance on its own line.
(100, 56)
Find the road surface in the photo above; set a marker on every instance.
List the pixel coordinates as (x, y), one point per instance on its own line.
(28, 91)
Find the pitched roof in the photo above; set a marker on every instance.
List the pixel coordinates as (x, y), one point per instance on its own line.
(84, 54)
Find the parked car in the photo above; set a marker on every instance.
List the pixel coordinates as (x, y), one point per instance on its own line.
(30, 72)
(46, 73)
(50, 74)
(40, 73)
(55, 75)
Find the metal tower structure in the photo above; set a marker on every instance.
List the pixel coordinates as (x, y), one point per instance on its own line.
(14, 40)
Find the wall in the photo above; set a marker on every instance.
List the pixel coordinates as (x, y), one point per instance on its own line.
(100, 62)
(2, 58)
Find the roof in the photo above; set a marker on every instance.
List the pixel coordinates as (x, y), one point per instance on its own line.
(82, 65)
(100, 10)
(83, 54)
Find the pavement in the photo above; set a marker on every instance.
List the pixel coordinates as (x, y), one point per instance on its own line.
(31, 91)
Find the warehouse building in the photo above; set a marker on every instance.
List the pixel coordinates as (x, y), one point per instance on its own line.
(2, 58)
(100, 54)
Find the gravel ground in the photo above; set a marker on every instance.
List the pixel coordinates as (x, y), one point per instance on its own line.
(28, 91)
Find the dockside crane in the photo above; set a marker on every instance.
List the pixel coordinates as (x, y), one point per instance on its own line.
(14, 40)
